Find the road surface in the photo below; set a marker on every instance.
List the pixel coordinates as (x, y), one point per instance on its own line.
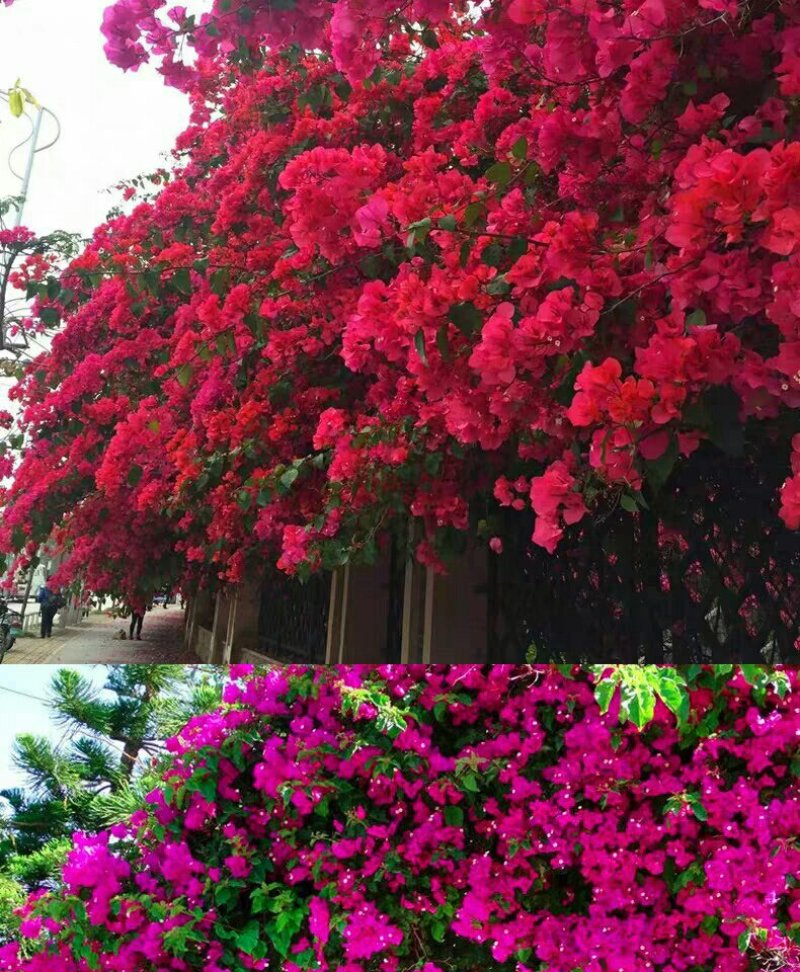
(93, 642)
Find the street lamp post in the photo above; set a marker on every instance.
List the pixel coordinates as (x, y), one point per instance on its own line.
(25, 182)
(26, 178)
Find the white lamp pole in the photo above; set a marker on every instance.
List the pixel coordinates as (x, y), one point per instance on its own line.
(26, 178)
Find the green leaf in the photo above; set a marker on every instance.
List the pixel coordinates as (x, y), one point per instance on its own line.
(517, 247)
(284, 929)
(469, 782)
(441, 343)
(743, 941)
(182, 281)
(638, 704)
(16, 102)
(604, 693)
(288, 478)
(184, 375)
(418, 232)
(752, 674)
(151, 281)
(674, 696)
(419, 344)
(447, 222)
(697, 808)
(472, 213)
(247, 938)
(466, 317)
(780, 683)
(218, 281)
(499, 286)
(429, 39)
(693, 874)
(135, 475)
(628, 503)
(500, 174)
(659, 470)
(492, 255)
(561, 284)
(453, 816)
(520, 148)
(696, 319)
(207, 787)
(225, 342)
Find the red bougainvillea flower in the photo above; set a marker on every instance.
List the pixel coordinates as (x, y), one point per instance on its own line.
(410, 257)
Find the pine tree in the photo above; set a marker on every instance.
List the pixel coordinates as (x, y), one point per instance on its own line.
(98, 771)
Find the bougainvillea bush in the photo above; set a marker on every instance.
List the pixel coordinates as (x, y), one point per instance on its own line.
(428, 262)
(446, 819)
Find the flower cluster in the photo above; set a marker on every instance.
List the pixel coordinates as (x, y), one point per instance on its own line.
(446, 818)
(447, 251)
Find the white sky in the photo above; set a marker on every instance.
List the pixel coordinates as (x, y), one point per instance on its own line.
(115, 124)
(23, 692)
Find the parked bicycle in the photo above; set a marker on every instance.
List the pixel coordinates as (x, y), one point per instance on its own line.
(10, 628)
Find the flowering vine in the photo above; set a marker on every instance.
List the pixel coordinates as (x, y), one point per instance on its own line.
(447, 818)
(416, 263)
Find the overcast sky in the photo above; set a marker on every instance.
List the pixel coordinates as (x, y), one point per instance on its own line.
(115, 125)
(23, 693)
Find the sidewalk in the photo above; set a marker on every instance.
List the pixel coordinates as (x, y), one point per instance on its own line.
(92, 642)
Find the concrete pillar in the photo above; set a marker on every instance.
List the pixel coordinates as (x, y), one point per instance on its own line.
(190, 624)
(219, 629)
(333, 647)
(197, 635)
(445, 616)
(242, 633)
(417, 599)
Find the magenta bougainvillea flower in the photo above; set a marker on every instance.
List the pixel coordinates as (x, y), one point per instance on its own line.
(444, 819)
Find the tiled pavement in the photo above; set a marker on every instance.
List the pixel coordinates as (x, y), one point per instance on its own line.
(92, 642)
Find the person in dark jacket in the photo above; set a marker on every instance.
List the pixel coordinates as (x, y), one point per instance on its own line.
(49, 604)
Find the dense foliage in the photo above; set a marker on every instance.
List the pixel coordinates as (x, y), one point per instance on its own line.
(445, 819)
(446, 263)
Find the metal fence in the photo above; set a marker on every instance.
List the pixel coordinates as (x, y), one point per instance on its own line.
(708, 574)
(293, 618)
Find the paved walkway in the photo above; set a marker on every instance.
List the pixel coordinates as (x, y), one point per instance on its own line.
(92, 642)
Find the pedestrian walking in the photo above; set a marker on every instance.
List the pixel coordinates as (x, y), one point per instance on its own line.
(137, 620)
(50, 602)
